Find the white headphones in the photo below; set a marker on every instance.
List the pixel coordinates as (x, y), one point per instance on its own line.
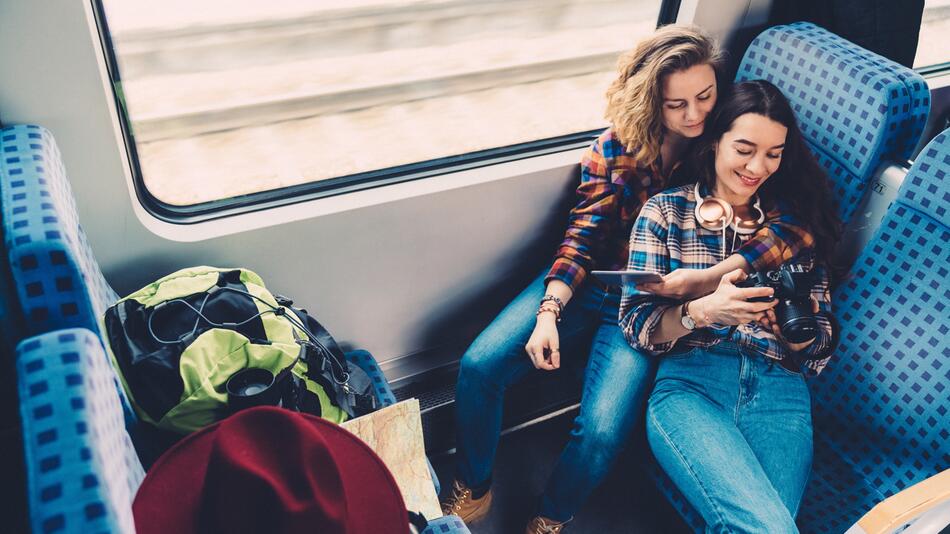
(716, 214)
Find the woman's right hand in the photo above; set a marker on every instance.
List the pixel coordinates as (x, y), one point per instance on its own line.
(544, 344)
(729, 305)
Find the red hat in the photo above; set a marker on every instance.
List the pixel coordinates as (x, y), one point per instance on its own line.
(268, 469)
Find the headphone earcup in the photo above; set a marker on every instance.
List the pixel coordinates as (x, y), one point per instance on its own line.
(750, 227)
(712, 213)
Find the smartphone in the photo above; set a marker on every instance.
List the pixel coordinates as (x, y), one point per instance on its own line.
(626, 278)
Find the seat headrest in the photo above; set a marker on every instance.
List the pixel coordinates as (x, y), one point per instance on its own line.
(926, 188)
(855, 108)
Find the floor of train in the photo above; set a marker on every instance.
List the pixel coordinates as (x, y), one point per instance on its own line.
(627, 502)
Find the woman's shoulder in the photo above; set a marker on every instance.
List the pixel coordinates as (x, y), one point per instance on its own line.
(610, 146)
(676, 196)
(672, 203)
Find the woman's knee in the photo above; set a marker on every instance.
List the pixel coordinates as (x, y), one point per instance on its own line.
(599, 442)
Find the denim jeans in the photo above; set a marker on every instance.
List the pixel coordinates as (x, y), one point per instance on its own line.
(616, 381)
(733, 431)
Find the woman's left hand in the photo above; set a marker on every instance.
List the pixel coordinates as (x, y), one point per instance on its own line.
(683, 284)
(770, 322)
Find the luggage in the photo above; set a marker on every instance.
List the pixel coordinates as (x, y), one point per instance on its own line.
(203, 342)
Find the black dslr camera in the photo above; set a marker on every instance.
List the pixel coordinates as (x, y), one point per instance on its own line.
(792, 285)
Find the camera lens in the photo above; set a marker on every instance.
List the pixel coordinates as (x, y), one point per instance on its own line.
(252, 387)
(796, 320)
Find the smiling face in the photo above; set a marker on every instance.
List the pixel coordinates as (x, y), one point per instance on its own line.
(688, 97)
(746, 156)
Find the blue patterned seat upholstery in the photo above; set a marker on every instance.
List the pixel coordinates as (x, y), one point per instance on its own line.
(449, 524)
(58, 280)
(82, 471)
(881, 410)
(855, 108)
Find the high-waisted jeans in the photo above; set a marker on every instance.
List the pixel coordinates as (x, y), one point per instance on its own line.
(733, 431)
(616, 381)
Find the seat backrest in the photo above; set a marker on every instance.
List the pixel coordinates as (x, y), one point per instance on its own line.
(883, 400)
(82, 470)
(855, 108)
(58, 280)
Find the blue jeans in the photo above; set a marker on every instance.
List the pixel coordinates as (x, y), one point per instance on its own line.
(616, 381)
(733, 431)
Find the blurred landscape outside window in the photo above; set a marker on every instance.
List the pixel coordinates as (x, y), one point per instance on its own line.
(933, 47)
(228, 98)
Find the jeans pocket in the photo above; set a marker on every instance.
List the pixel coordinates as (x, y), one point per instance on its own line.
(685, 353)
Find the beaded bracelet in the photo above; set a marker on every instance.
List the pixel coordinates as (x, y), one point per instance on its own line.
(552, 298)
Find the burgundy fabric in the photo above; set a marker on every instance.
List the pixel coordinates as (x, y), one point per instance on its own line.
(267, 469)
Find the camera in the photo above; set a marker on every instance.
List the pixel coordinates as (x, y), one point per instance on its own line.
(792, 285)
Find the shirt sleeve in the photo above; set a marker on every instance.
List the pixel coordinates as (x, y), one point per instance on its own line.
(780, 239)
(588, 223)
(640, 312)
(819, 351)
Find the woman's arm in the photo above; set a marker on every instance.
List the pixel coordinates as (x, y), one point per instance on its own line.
(728, 305)
(781, 238)
(588, 222)
(641, 312)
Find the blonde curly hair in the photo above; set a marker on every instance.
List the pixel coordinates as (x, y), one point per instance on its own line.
(635, 98)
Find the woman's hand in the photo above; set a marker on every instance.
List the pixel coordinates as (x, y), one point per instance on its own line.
(770, 322)
(729, 305)
(544, 344)
(683, 284)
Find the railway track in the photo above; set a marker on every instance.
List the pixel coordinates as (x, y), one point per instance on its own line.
(200, 46)
(278, 108)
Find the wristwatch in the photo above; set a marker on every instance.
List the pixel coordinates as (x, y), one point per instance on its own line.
(687, 321)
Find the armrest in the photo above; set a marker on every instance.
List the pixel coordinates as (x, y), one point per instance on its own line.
(909, 505)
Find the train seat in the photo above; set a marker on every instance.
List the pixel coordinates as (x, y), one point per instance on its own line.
(880, 411)
(82, 470)
(855, 108)
(58, 281)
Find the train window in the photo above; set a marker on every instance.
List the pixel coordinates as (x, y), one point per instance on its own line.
(225, 101)
(932, 45)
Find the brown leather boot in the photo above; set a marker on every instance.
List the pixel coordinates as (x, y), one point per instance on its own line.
(543, 525)
(462, 504)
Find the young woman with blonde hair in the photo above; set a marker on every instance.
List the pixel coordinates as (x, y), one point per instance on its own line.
(666, 86)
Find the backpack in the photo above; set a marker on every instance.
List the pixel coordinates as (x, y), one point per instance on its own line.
(201, 343)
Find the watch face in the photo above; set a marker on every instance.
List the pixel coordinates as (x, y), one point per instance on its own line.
(688, 322)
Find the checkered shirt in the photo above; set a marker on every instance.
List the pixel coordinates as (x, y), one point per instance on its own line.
(667, 237)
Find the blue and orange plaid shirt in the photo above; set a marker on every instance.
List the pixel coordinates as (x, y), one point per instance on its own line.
(614, 186)
(666, 237)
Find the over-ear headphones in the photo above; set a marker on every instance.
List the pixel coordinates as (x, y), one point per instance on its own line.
(716, 214)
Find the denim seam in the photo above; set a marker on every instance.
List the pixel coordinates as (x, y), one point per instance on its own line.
(689, 469)
(735, 412)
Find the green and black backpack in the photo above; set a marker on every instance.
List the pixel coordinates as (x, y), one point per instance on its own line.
(203, 342)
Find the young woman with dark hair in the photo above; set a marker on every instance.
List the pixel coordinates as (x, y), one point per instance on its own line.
(729, 418)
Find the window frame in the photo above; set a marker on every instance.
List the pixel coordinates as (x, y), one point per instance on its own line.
(341, 185)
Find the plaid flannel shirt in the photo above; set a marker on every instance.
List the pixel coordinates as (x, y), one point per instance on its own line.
(614, 186)
(666, 237)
